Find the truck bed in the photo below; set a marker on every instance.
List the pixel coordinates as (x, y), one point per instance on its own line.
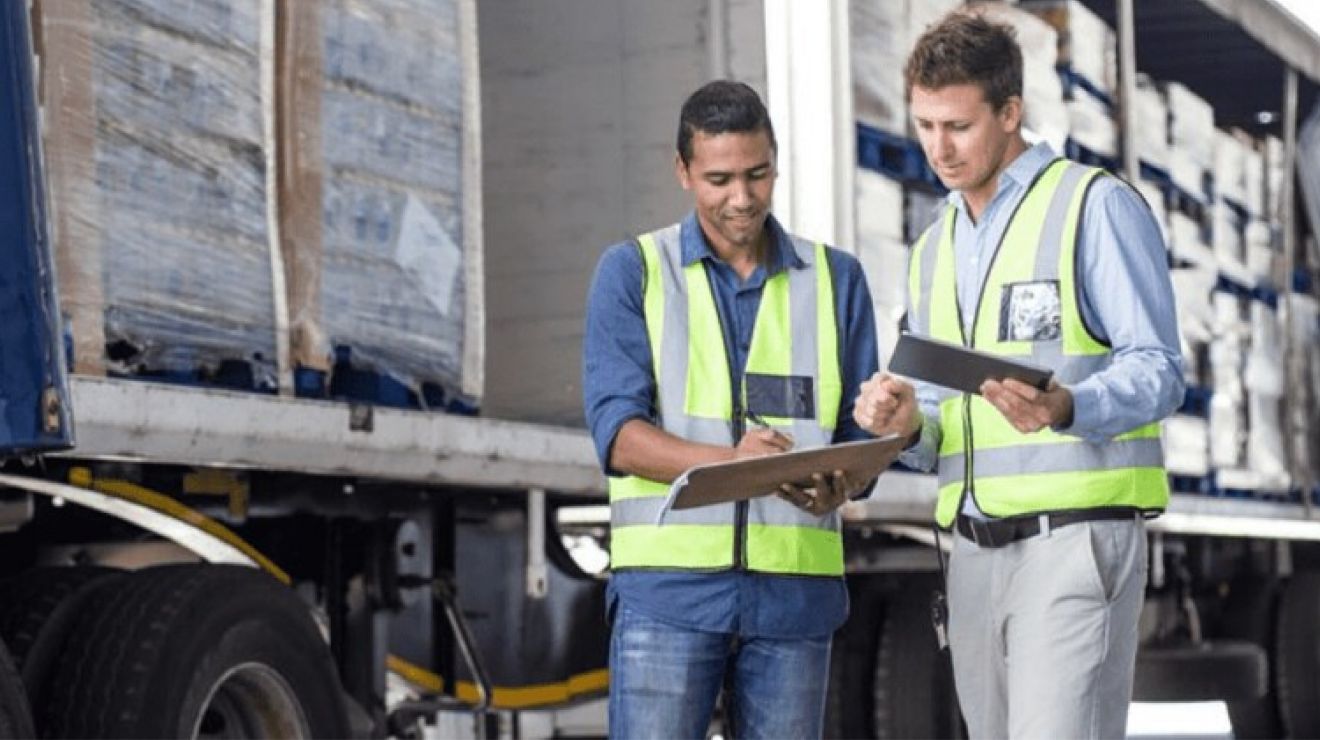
(183, 425)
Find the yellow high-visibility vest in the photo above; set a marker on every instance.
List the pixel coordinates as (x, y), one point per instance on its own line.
(1028, 309)
(792, 380)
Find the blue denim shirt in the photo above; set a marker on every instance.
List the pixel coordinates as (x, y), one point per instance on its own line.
(1126, 297)
(618, 385)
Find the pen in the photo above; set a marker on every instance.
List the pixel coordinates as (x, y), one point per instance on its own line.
(757, 420)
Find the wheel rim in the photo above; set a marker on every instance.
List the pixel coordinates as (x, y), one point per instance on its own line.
(251, 700)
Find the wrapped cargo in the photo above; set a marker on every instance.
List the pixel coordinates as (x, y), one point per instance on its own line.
(1227, 236)
(1092, 125)
(1044, 115)
(1253, 179)
(1087, 45)
(1187, 242)
(1191, 138)
(1186, 445)
(1263, 379)
(1259, 254)
(1229, 167)
(882, 33)
(373, 206)
(879, 208)
(154, 141)
(1303, 379)
(1152, 134)
(884, 262)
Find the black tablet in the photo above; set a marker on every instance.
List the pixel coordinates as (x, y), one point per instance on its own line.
(955, 366)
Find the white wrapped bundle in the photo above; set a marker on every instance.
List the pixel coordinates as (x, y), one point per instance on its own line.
(1086, 43)
(1152, 134)
(1186, 444)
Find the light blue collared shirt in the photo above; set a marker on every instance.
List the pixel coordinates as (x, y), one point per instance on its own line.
(1126, 298)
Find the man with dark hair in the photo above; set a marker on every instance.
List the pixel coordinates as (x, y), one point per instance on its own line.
(717, 338)
(1042, 260)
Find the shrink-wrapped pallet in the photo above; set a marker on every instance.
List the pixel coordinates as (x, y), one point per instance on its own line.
(157, 161)
(883, 33)
(375, 203)
(1086, 43)
(1191, 138)
(1152, 133)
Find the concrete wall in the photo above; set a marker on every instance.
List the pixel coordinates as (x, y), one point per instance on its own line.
(580, 102)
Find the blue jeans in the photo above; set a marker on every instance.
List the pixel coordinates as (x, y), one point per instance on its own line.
(664, 681)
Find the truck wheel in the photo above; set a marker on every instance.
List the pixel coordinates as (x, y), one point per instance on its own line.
(15, 717)
(1250, 614)
(37, 609)
(914, 694)
(848, 705)
(195, 651)
(1297, 656)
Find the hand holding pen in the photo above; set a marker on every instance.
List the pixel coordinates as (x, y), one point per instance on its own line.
(761, 439)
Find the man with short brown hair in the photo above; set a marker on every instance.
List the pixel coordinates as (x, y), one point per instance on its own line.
(1038, 259)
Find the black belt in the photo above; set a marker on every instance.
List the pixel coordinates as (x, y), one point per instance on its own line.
(1001, 532)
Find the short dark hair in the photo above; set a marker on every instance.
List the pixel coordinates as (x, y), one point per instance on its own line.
(963, 48)
(721, 107)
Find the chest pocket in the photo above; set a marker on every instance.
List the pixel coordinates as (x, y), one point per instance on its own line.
(1030, 312)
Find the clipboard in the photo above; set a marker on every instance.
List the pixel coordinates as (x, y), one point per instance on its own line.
(958, 367)
(719, 483)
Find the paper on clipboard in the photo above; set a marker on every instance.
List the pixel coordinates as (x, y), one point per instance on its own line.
(719, 483)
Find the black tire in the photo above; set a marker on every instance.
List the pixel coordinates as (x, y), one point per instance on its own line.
(850, 701)
(913, 686)
(1297, 656)
(37, 610)
(1250, 614)
(1222, 670)
(15, 716)
(176, 649)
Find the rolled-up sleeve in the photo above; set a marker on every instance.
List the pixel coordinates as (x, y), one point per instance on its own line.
(617, 381)
(1127, 299)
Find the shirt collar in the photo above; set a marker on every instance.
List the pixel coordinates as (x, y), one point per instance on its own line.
(695, 246)
(1021, 172)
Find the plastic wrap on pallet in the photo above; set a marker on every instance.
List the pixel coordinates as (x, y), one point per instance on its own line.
(1263, 377)
(1192, 291)
(884, 262)
(1259, 254)
(1086, 43)
(1092, 125)
(1186, 445)
(1227, 236)
(879, 208)
(1229, 166)
(882, 33)
(389, 157)
(1044, 114)
(1186, 241)
(1303, 383)
(1228, 434)
(1152, 134)
(153, 127)
(1191, 137)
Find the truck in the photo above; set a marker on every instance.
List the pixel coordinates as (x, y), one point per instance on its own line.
(290, 544)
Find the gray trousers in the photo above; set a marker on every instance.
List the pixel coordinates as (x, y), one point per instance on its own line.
(1044, 631)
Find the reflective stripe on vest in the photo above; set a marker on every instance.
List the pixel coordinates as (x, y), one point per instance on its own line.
(981, 454)
(795, 335)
